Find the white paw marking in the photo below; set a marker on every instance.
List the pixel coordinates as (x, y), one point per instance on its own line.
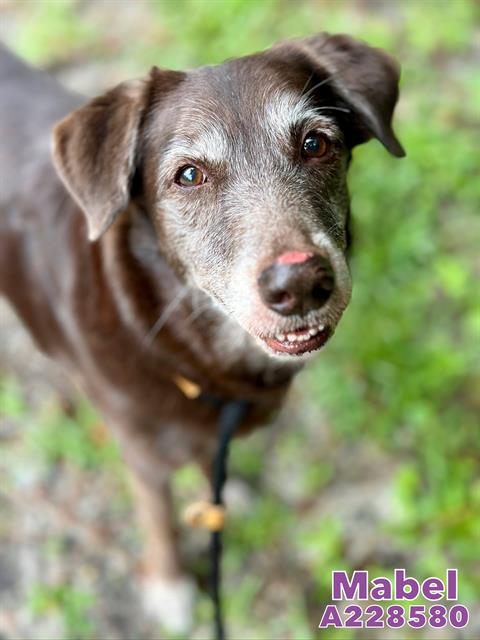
(170, 602)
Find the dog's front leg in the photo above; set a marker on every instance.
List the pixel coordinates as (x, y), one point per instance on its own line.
(168, 593)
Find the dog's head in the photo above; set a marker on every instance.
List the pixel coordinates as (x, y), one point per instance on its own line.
(242, 169)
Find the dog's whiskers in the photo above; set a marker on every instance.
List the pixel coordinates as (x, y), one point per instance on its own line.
(306, 83)
(316, 86)
(331, 108)
(164, 317)
(305, 95)
(196, 313)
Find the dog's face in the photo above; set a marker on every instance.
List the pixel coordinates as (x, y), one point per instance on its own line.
(243, 172)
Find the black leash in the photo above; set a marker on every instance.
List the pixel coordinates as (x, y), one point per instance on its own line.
(231, 416)
(212, 515)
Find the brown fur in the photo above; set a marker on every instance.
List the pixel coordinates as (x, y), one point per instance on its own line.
(167, 284)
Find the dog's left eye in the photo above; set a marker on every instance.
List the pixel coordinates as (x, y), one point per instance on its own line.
(315, 145)
(190, 176)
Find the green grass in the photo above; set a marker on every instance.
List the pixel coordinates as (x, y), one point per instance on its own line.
(80, 439)
(52, 436)
(72, 605)
(53, 29)
(403, 371)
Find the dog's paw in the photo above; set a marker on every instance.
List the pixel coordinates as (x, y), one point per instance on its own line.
(170, 602)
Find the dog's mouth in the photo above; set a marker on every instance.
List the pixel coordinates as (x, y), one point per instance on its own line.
(299, 341)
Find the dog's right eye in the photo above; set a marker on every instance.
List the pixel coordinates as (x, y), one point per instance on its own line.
(190, 176)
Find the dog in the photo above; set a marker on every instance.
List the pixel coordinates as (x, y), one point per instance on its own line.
(186, 231)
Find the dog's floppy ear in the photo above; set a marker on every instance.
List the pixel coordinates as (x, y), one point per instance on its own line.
(364, 77)
(95, 147)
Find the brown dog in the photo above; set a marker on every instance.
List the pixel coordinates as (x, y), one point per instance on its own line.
(191, 230)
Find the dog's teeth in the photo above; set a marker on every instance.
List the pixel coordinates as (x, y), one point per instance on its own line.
(300, 337)
(314, 330)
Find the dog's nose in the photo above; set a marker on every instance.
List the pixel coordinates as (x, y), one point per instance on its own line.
(296, 283)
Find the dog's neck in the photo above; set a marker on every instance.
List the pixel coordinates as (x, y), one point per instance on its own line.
(179, 324)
